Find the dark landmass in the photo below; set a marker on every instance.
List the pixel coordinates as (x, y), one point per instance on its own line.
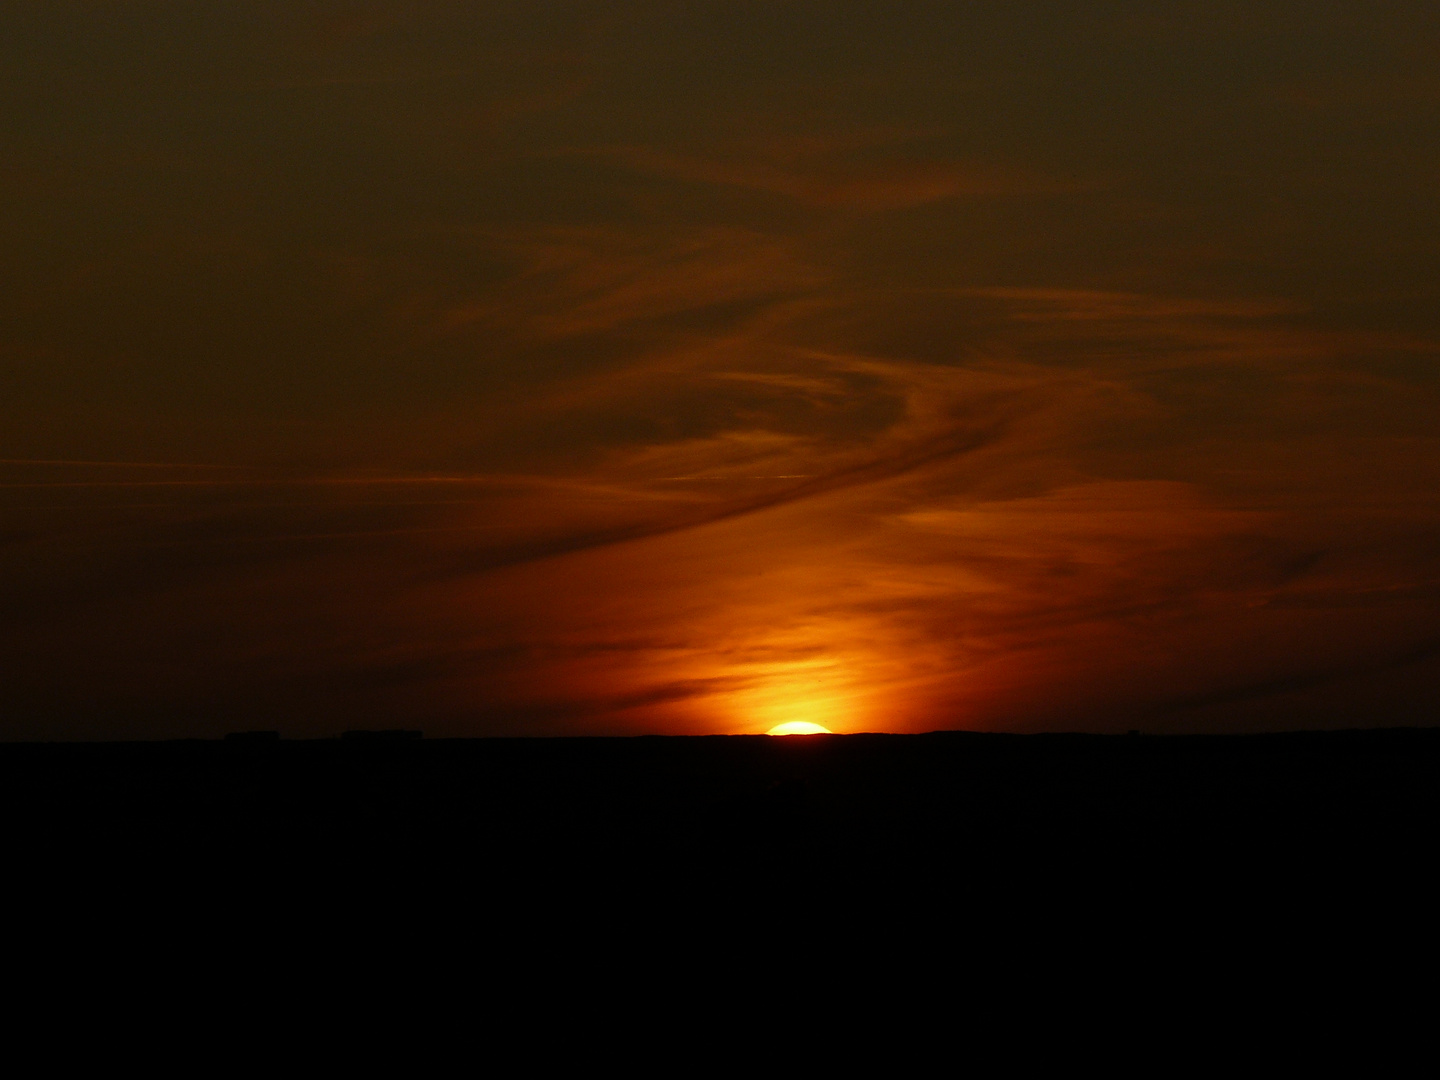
(946, 821)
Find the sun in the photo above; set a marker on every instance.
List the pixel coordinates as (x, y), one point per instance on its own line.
(799, 727)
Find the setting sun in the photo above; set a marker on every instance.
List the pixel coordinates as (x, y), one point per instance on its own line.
(799, 727)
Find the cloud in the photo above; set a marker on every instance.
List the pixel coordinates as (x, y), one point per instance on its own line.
(1084, 305)
(587, 281)
(822, 175)
(1004, 543)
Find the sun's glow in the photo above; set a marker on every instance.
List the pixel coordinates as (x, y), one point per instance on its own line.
(799, 727)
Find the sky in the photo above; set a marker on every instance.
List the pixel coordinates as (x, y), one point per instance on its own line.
(556, 367)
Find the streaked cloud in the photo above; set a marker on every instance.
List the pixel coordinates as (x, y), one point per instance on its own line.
(822, 177)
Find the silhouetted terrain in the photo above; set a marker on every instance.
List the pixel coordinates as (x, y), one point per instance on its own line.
(949, 821)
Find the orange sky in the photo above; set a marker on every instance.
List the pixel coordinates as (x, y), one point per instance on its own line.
(556, 368)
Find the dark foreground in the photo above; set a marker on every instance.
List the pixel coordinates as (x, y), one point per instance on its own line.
(931, 821)
(983, 876)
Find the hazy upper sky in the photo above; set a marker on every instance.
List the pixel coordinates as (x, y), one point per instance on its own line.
(559, 367)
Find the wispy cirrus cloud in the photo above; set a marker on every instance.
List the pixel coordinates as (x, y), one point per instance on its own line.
(881, 185)
(585, 281)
